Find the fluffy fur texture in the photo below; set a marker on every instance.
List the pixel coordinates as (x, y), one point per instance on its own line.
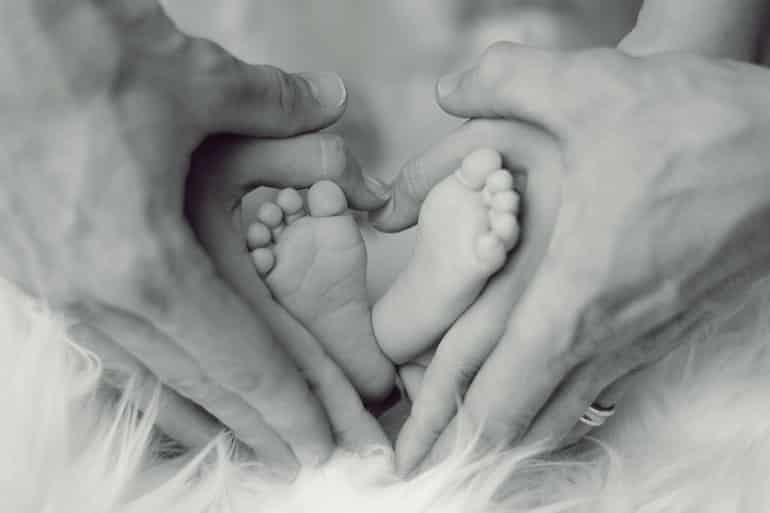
(692, 436)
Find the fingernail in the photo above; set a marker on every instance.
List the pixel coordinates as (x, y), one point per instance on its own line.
(327, 88)
(378, 188)
(448, 84)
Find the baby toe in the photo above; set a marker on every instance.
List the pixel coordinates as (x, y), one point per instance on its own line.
(477, 166)
(491, 250)
(258, 236)
(270, 214)
(505, 227)
(290, 201)
(264, 260)
(499, 181)
(326, 199)
(507, 201)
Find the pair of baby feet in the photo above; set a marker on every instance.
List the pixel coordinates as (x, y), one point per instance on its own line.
(311, 254)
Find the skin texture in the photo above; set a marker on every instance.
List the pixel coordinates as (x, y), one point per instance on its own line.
(100, 135)
(630, 226)
(315, 265)
(463, 238)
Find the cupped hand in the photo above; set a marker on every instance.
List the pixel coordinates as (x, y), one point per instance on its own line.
(663, 196)
(105, 103)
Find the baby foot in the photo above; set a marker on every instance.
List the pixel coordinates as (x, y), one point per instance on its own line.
(466, 228)
(315, 266)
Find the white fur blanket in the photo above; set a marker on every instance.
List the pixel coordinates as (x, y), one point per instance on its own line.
(691, 437)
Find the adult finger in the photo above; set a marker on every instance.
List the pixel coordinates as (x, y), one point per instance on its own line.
(412, 374)
(231, 96)
(352, 426)
(295, 162)
(510, 81)
(175, 367)
(527, 365)
(610, 397)
(520, 144)
(181, 293)
(602, 379)
(530, 361)
(221, 93)
(176, 416)
(456, 362)
(544, 87)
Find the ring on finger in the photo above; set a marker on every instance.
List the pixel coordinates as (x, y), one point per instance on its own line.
(597, 414)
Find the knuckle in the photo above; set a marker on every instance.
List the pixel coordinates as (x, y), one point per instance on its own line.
(604, 77)
(288, 97)
(152, 275)
(593, 327)
(135, 15)
(251, 383)
(572, 333)
(217, 77)
(423, 416)
(325, 379)
(208, 57)
(587, 390)
(493, 65)
(463, 375)
(263, 385)
(593, 63)
(278, 94)
(458, 369)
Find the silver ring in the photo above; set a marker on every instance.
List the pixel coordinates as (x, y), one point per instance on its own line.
(597, 414)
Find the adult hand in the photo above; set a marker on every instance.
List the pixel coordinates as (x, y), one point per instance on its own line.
(733, 30)
(664, 195)
(104, 104)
